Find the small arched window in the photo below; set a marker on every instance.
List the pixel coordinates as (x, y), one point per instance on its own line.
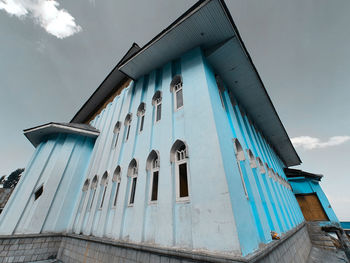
(116, 132)
(221, 89)
(93, 191)
(261, 165)
(141, 114)
(85, 188)
(240, 157)
(116, 179)
(157, 102)
(104, 183)
(252, 161)
(127, 124)
(132, 173)
(179, 155)
(153, 167)
(176, 88)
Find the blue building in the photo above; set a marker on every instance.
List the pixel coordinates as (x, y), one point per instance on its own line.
(179, 149)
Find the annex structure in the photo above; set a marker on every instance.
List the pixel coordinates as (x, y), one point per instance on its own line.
(178, 155)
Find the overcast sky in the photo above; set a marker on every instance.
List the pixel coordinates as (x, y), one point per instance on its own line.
(54, 54)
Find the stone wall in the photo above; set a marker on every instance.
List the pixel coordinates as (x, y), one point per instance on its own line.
(28, 248)
(293, 247)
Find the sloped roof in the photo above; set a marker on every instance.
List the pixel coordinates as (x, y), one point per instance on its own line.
(37, 134)
(108, 86)
(293, 173)
(208, 24)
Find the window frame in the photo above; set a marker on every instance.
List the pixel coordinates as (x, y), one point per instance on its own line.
(117, 180)
(41, 187)
(175, 90)
(240, 157)
(157, 102)
(184, 160)
(154, 169)
(133, 174)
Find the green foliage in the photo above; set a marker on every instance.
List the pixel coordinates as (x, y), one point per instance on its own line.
(12, 180)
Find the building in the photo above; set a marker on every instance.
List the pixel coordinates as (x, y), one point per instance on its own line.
(313, 202)
(179, 154)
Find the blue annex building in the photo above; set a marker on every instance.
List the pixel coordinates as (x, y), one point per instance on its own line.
(178, 155)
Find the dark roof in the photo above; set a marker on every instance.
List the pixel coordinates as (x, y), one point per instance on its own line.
(209, 24)
(292, 173)
(37, 134)
(108, 86)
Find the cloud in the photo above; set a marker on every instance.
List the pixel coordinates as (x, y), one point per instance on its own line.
(46, 13)
(309, 143)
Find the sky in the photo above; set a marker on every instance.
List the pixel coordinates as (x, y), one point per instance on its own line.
(55, 53)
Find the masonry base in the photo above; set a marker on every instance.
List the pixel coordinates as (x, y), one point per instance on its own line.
(293, 247)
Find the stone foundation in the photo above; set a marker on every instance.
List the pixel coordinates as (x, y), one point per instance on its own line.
(293, 247)
(28, 248)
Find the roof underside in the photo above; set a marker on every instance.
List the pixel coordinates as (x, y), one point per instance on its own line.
(37, 134)
(209, 24)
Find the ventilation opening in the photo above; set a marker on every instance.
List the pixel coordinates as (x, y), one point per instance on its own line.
(38, 192)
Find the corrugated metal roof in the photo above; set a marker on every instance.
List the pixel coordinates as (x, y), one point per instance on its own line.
(37, 134)
(209, 24)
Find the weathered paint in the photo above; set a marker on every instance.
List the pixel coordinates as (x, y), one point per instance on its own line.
(218, 216)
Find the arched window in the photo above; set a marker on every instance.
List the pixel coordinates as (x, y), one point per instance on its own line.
(221, 89)
(116, 179)
(261, 165)
(252, 161)
(141, 114)
(157, 102)
(179, 155)
(153, 167)
(104, 183)
(93, 191)
(116, 132)
(127, 124)
(240, 157)
(132, 173)
(83, 196)
(176, 88)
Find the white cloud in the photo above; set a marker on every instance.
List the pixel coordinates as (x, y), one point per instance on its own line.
(309, 143)
(46, 13)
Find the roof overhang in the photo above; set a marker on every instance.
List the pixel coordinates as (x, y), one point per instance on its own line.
(39, 133)
(208, 24)
(295, 174)
(109, 85)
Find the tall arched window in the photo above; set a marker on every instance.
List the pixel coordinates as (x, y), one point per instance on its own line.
(179, 155)
(93, 191)
(116, 179)
(157, 102)
(252, 161)
(132, 173)
(104, 183)
(261, 165)
(221, 89)
(239, 158)
(85, 188)
(127, 124)
(116, 132)
(176, 88)
(153, 167)
(141, 114)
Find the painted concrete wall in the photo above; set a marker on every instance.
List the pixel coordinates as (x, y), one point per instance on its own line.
(233, 204)
(304, 185)
(218, 216)
(59, 164)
